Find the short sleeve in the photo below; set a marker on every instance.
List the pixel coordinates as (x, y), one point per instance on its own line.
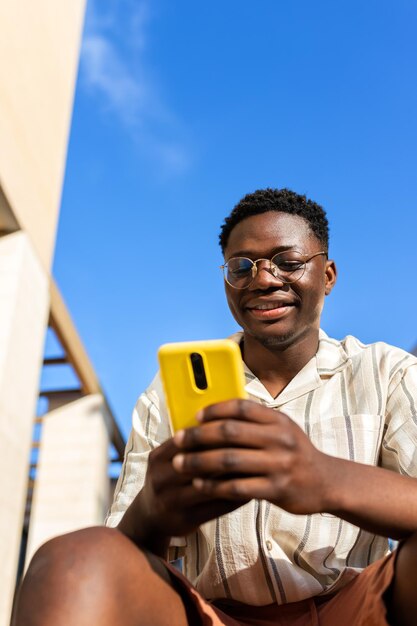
(150, 428)
(399, 445)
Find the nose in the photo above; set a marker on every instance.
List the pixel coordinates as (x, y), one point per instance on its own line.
(265, 276)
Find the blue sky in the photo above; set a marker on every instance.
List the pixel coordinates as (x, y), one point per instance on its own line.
(183, 107)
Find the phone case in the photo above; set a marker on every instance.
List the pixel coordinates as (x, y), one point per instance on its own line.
(223, 368)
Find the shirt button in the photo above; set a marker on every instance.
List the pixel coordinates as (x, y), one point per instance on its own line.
(269, 545)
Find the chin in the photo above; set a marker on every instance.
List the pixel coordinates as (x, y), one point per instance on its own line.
(274, 340)
(284, 338)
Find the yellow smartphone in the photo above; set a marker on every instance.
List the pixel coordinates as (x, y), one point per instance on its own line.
(196, 374)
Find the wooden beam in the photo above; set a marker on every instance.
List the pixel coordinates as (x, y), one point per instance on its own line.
(56, 360)
(62, 324)
(61, 393)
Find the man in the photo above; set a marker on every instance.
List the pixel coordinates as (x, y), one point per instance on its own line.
(285, 500)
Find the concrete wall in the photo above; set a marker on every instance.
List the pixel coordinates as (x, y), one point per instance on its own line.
(39, 49)
(24, 309)
(72, 484)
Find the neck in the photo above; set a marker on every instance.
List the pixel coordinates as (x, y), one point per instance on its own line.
(276, 365)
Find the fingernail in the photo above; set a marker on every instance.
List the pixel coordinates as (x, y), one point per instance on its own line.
(199, 416)
(179, 437)
(198, 483)
(178, 462)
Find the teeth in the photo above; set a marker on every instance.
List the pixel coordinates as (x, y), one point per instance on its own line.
(268, 307)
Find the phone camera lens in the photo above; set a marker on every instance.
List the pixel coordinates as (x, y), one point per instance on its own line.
(198, 370)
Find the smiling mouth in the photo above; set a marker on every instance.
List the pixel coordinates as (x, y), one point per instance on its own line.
(268, 306)
(270, 310)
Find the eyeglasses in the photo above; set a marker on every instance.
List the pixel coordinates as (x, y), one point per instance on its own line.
(288, 267)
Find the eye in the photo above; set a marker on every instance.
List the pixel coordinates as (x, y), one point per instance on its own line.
(239, 266)
(236, 271)
(288, 265)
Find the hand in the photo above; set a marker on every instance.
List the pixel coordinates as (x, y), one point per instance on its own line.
(244, 450)
(169, 504)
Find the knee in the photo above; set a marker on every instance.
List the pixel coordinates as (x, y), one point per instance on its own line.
(76, 574)
(91, 551)
(86, 564)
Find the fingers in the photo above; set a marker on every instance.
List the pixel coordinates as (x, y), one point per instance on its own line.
(229, 433)
(171, 501)
(229, 461)
(243, 489)
(243, 410)
(236, 489)
(188, 495)
(223, 433)
(164, 476)
(165, 451)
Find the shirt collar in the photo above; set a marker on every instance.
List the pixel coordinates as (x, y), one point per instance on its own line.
(329, 359)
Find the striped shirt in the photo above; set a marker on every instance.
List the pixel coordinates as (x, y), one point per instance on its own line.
(355, 402)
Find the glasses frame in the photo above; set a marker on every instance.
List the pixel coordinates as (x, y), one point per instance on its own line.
(254, 269)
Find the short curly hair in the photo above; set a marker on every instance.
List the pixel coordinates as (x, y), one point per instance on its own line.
(281, 200)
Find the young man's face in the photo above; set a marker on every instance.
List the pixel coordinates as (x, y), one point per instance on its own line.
(272, 312)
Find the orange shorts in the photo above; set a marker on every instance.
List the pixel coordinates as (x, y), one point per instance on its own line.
(359, 603)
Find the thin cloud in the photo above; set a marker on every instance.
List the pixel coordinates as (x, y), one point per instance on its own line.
(105, 73)
(139, 18)
(113, 70)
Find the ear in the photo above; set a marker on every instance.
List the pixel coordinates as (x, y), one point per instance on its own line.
(330, 276)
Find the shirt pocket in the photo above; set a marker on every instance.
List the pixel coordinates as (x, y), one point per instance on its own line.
(353, 437)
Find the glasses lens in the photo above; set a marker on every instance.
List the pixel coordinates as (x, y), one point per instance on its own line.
(290, 266)
(239, 272)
